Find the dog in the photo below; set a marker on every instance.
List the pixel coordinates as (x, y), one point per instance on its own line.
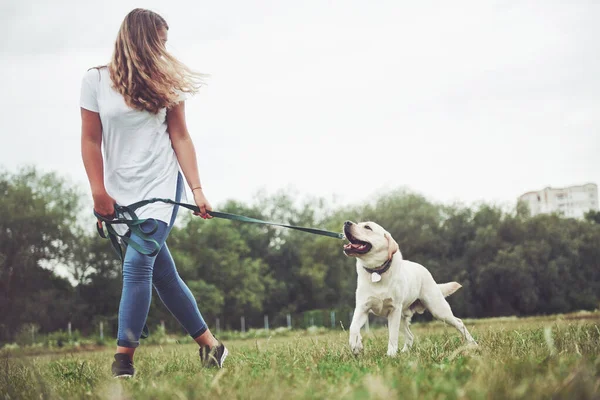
(392, 287)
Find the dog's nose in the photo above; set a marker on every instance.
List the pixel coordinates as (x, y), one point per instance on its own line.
(348, 223)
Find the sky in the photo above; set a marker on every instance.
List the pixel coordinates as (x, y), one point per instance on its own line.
(473, 101)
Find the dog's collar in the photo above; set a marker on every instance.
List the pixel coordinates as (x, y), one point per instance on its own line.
(386, 265)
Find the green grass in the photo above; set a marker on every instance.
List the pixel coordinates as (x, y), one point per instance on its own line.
(517, 359)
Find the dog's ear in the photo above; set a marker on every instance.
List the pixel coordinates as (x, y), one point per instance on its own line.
(392, 245)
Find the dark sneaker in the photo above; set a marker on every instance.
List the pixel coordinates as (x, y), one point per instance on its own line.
(213, 356)
(122, 367)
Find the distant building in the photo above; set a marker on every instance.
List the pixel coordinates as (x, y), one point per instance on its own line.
(572, 201)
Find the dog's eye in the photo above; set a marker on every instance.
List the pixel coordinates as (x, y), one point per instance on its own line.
(368, 227)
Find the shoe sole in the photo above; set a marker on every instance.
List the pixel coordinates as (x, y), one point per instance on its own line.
(223, 357)
(124, 376)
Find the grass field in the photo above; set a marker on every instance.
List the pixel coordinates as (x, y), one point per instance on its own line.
(533, 358)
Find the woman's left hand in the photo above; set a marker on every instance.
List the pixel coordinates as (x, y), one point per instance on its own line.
(202, 204)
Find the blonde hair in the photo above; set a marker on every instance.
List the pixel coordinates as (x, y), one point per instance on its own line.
(141, 69)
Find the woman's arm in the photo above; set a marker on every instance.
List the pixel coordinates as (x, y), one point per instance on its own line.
(91, 153)
(186, 155)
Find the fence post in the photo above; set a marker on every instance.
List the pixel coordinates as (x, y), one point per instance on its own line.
(367, 324)
(266, 322)
(289, 321)
(162, 326)
(32, 333)
(101, 330)
(312, 321)
(69, 329)
(243, 322)
(218, 326)
(333, 320)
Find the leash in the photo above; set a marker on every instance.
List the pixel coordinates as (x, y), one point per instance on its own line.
(134, 224)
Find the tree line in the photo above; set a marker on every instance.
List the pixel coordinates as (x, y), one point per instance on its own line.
(508, 262)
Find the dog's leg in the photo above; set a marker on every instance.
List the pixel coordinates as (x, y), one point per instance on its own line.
(408, 335)
(440, 309)
(394, 319)
(358, 320)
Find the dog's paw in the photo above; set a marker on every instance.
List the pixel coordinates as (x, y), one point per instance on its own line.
(405, 349)
(392, 352)
(357, 349)
(356, 345)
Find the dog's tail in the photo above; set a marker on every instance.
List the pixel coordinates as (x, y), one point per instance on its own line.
(449, 288)
(446, 288)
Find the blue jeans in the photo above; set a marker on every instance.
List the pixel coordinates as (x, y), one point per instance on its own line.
(141, 272)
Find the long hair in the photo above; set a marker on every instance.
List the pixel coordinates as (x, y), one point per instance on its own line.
(141, 69)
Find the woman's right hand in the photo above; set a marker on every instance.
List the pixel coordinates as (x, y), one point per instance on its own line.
(104, 204)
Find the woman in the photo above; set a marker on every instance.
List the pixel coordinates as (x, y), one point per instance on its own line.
(134, 107)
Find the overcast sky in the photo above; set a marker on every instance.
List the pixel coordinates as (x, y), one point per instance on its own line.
(468, 101)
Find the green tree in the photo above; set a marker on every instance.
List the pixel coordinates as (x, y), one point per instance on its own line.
(37, 212)
(214, 255)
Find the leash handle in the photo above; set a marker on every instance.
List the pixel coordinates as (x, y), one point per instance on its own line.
(135, 226)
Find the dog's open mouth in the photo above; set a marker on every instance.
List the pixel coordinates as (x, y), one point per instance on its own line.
(355, 247)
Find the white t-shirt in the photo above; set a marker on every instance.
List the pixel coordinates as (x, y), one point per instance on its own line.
(139, 160)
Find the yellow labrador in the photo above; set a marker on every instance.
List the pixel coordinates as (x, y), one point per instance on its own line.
(391, 287)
